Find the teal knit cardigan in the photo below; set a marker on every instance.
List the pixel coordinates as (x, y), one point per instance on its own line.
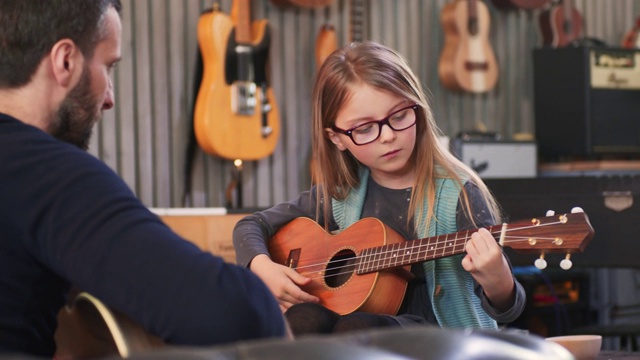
(454, 304)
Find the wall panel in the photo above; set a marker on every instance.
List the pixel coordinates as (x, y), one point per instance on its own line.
(145, 138)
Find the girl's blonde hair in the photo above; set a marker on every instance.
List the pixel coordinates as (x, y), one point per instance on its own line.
(337, 171)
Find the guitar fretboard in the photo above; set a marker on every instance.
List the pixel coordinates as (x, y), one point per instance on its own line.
(411, 252)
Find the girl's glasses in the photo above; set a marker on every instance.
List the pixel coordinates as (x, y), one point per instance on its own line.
(369, 132)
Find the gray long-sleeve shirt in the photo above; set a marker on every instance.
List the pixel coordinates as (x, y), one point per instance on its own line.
(391, 207)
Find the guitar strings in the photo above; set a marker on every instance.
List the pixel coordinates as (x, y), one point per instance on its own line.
(350, 267)
(351, 264)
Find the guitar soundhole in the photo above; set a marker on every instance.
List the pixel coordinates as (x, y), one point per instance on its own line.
(340, 268)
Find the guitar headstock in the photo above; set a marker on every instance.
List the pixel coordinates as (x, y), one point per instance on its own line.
(556, 233)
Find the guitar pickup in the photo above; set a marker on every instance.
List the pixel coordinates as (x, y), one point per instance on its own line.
(243, 97)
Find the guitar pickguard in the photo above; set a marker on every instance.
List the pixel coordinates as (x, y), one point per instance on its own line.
(245, 62)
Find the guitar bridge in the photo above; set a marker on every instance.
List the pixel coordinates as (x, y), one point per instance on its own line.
(294, 258)
(243, 97)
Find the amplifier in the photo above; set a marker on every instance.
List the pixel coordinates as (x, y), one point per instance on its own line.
(587, 102)
(498, 159)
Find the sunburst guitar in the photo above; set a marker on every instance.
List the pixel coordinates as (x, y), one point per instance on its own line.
(236, 115)
(365, 267)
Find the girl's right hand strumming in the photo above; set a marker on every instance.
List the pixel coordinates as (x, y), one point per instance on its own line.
(283, 282)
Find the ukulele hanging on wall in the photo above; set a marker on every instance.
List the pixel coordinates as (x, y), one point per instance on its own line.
(467, 62)
(236, 115)
(560, 25)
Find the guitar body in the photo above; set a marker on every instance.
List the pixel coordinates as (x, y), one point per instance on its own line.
(560, 25)
(467, 62)
(325, 258)
(236, 116)
(88, 329)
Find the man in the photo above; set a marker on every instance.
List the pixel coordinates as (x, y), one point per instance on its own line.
(67, 219)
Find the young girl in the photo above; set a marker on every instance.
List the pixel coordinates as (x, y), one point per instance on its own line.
(378, 155)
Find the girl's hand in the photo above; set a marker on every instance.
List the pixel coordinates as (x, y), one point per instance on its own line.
(488, 266)
(283, 282)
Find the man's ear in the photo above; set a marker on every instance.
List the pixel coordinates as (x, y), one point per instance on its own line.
(336, 139)
(67, 62)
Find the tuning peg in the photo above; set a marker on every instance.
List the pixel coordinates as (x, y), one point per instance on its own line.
(550, 212)
(577, 209)
(540, 263)
(566, 264)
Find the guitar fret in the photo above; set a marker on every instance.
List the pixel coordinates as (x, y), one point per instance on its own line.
(388, 256)
(393, 260)
(376, 259)
(364, 260)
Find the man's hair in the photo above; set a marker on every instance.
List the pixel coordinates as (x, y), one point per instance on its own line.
(30, 28)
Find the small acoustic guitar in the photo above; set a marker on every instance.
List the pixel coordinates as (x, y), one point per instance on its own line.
(236, 115)
(365, 267)
(560, 25)
(467, 62)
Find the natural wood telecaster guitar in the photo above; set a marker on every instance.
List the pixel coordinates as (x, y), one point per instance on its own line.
(361, 268)
(236, 115)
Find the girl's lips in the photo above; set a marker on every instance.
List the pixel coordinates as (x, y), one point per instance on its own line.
(391, 153)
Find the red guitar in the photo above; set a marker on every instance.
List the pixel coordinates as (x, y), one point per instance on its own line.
(631, 39)
(467, 62)
(365, 267)
(560, 25)
(236, 115)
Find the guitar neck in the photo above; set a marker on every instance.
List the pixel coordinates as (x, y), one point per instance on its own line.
(411, 252)
(567, 233)
(243, 21)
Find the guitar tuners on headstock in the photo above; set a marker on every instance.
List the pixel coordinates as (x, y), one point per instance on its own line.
(566, 263)
(541, 263)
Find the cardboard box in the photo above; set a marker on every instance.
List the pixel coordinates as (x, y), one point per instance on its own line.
(209, 229)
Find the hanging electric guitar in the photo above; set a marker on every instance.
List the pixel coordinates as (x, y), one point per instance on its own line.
(327, 42)
(560, 25)
(467, 62)
(236, 115)
(631, 39)
(365, 267)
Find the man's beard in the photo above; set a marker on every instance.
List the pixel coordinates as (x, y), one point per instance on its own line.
(74, 120)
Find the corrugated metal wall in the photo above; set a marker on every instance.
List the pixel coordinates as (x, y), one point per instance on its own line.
(145, 137)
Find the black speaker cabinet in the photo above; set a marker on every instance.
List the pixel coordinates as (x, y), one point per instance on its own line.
(587, 102)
